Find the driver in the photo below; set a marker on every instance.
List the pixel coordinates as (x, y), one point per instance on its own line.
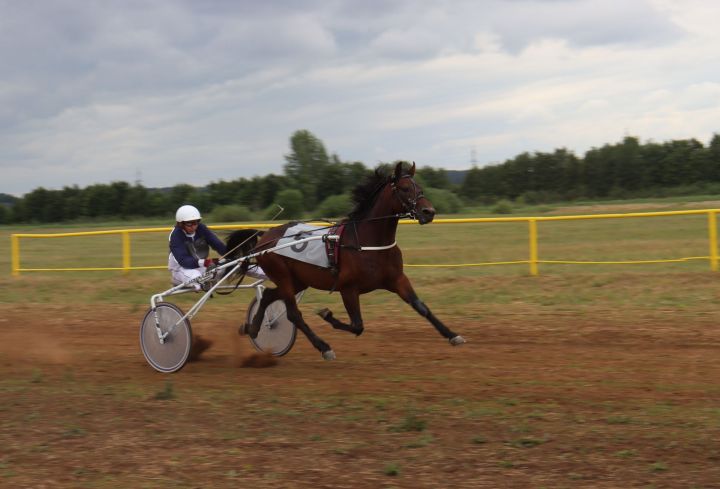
(190, 243)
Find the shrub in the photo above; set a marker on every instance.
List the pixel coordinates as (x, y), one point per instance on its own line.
(534, 197)
(503, 207)
(618, 193)
(230, 213)
(335, 206)
(444, 201)
(292, 201)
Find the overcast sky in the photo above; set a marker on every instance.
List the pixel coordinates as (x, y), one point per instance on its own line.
(194, 91)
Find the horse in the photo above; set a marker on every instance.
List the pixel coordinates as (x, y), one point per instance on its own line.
(368, 256)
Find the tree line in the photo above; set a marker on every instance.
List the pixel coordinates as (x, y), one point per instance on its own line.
(627, 169)
(316, 182)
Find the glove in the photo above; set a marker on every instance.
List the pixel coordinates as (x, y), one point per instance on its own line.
(209, 261)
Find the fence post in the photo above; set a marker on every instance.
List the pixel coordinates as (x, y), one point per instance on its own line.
(712, 230)
(533, 247)
(126, 251)
(15, 255)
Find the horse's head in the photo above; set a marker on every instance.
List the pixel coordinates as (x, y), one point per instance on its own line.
(410, 195)
(382, 196)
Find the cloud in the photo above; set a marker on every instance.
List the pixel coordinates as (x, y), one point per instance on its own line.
(194, 91)
(583, 23)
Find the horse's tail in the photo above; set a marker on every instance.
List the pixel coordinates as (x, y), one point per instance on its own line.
(241, 243)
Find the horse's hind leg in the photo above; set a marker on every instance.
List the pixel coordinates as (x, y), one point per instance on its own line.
(351, 299)
(406, 292)
(268, 297)
(295, 316)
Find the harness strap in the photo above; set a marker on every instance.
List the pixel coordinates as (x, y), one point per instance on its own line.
(332, 246)
(377, 248)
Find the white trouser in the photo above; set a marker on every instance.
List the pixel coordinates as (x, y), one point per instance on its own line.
(182, 275)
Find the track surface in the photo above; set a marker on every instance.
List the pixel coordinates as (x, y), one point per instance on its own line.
(531, 401)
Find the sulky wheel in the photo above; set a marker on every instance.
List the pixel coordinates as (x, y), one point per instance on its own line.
(170, 354)
(277, 334)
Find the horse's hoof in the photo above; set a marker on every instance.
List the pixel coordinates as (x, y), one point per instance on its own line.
(328, 355)
(457, 340)
(324, 313)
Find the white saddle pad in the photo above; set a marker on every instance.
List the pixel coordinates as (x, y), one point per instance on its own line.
(312, 252)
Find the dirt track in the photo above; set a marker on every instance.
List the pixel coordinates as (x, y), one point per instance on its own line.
(531, 401)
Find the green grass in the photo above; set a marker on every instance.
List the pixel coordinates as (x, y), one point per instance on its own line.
(658, 467)
(410, 423)
(527, 442)
(392, 469)
(246, 421)
(593, 240)
(569, 287)
(167, 393)
(672, 203)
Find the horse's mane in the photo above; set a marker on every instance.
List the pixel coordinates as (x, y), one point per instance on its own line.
(241, 242)
(363, 195)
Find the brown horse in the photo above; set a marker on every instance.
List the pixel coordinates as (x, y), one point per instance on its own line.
(368, 257)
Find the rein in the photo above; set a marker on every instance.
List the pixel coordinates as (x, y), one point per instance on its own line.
(255, 234)
(408, 205)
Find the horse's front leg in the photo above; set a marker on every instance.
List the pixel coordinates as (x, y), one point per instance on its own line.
(405, 290)
(351, 300)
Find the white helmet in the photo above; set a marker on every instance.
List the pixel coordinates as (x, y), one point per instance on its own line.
(187, 213)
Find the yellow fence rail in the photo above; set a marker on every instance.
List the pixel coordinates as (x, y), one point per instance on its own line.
(533, 259)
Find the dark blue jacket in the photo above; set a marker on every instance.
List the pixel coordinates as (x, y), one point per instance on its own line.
(187, 250)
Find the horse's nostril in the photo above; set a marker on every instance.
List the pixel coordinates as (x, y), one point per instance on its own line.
(426, 215)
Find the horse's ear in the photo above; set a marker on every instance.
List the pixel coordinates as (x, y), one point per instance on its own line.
(398, 170)
(412, 170)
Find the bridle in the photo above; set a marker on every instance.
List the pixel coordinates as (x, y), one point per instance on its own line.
(408, 205)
